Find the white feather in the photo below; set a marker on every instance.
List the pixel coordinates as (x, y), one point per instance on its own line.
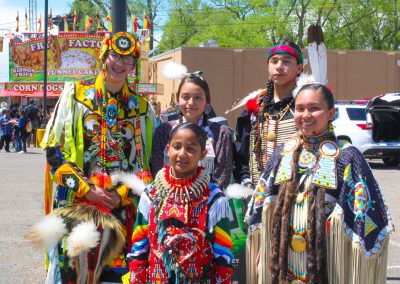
(47, 232)
(133, 182)
(237, 191)
(242, 101)
(173, 70)
(82, 238)
(317, 57)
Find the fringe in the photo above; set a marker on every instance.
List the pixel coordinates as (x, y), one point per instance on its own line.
(346, 259)
(220, 209)
(264, 276)
(144, 206)
(253, 242)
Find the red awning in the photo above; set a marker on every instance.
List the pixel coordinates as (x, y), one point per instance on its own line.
(8, 93)
(40, 95)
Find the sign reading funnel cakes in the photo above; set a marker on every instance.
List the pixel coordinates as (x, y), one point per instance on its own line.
(77, 59)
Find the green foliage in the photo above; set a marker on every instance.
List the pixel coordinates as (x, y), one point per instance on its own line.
(350, 24)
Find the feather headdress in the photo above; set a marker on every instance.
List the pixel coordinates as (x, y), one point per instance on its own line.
(317, 58)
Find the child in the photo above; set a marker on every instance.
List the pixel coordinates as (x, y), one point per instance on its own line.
(182, 230)
(319, 206)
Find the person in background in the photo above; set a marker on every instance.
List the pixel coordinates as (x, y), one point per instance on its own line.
(23, 134)
(32, 112)
(182, 236)
(6, 125)
(319, 206)
(157, 109)
(194, 101)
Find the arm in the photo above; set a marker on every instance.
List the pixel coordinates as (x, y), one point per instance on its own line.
(241, 152)
(223, 157)
(138, 257)
(160, 141)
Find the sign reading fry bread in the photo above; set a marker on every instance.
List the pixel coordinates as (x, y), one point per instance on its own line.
(70, 57)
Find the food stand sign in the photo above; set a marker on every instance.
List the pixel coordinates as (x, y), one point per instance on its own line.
(71, 57)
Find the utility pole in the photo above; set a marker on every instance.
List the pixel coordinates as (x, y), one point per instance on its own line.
(46, 18)
(118, 15)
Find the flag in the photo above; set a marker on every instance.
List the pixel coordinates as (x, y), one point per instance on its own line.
(88, 23)
(17, 19)
(66, 29)
(26, 20)
(75, 20)
(40, 23)
(98, 21)
(51, 20)
(134, 24)
(109, 19)
(146, 23)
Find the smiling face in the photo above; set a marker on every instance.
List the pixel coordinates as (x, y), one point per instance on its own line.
(118, 68)
(283, 69)
(192, 101)
(311, 112)
(184, 152)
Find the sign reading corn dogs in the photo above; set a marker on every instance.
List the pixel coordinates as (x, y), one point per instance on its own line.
(70, 57)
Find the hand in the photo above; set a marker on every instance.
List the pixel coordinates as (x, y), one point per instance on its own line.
(103, 197)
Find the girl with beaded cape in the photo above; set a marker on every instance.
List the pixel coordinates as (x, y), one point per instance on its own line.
(182, 229)
(322, 214)
(194, 101)
(98, 128)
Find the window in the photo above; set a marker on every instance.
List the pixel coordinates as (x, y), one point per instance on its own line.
(356, 113)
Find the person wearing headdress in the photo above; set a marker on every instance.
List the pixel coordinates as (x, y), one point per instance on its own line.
(194, 104)
(268, 119)
(322, 215)
(99, 129)
(319, 211)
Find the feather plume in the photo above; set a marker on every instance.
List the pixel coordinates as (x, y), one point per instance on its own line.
(304, 79)
(133, 182)
(238, 191)
(243, 101)
(173, 70)
(47, 232)
(82, 238)
(317, 54)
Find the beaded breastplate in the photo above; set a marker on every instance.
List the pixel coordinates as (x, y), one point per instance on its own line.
(179, 246)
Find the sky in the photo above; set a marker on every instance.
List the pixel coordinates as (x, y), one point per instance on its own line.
(9, 8)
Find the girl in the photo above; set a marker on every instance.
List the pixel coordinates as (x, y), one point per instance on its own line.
(182, 229)
(194, 104)
(321, 209)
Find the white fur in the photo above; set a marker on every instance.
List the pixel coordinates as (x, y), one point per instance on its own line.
(304, 79)
(133, 182)
(173, 70)
(83, 237)
(238, 191)
(48, 231)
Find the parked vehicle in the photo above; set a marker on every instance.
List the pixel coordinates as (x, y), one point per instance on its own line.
(360, 123)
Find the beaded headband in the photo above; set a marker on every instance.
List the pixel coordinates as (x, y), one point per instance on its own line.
(122, 43)
(285, 49)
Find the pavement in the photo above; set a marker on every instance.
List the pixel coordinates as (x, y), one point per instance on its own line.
(21, 206)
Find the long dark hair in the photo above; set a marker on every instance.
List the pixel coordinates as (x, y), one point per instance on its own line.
(326, 93)
(201, 135)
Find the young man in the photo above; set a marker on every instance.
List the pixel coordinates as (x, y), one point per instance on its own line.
(98, 128)
(267, 123)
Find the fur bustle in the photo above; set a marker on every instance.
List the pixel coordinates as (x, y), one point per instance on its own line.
(82, 238)
(237, 191)
(74, 215)
(47, 232)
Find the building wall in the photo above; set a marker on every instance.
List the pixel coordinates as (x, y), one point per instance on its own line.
(233, 73)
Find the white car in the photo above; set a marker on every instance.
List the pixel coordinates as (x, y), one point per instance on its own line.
(359, 122)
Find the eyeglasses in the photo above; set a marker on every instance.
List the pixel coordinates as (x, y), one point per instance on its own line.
(126, 59)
